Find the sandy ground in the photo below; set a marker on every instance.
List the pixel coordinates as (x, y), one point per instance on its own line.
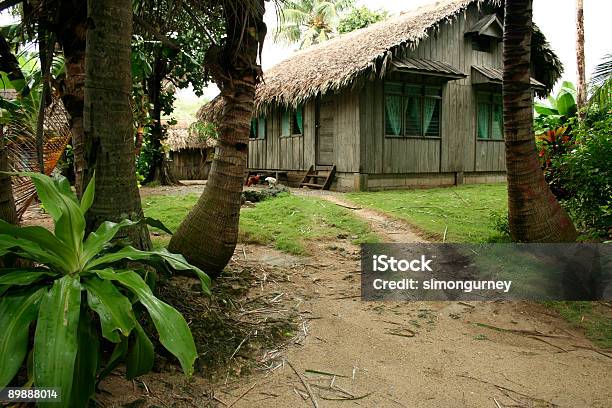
(386, 354)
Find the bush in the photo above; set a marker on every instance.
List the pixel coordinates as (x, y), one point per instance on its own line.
(79, 294)
(585, 173)
(499, 222)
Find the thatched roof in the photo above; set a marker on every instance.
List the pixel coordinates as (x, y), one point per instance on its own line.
(184, 136)
(364, 53)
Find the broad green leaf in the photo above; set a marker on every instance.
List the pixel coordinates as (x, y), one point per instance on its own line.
(545, 110)
(56, 340)
(566, 104)
(63, 185)
(98, 240)
(174, 333)
(176, 262)
(44, 239)
(86, 363)
(22, 277)
(67, 214)
(114, 309)
(141, 355)
(88, 195)
(16, 314)
(27, 249)
(157, 224)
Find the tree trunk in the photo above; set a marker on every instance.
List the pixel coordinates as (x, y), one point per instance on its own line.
(109, 138)
(158, 171)
(71, 34)
(580, 61)
(8, 212)
(46, 44)
(534, 213)
(208, 235)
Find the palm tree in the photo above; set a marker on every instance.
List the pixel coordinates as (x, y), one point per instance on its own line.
(533, 211)
(207, 236)
(601, 84)
(309, 21)
(109, 140)
(582, 88)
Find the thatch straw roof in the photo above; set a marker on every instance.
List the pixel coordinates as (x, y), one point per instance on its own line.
(184, 136)
(367, 52)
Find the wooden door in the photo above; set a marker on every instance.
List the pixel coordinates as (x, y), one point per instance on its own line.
(326, 130)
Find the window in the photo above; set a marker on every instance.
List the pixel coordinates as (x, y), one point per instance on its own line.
(490, 117)
(481, 43)
(412, 110)
(258, 128)
(292, 121)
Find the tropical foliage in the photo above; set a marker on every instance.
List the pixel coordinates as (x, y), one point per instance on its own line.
(360, 17)
(309, 22)
(601, 84)
(557, 110)
(82, 291)
(582, 173)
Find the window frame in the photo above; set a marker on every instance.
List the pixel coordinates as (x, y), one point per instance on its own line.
(291, 113)
(255, 125)
(491, 102)
(422, 95)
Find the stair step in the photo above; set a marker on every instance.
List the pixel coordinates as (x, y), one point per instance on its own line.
(323, 176)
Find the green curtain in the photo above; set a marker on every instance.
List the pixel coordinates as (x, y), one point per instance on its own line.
(253, 134)
(261, 127)
(412, 116)
(484, 113)
(299, 118)
(430, 106)
(393, 114)
(285, 128)
(497, 131)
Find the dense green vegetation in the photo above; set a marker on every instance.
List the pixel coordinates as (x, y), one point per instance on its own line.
(288, 222)
(590, 317)
(70, 267)
(463, 214)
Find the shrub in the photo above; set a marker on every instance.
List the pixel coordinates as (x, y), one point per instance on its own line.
(78, 294)
(585, 173)
(499, 222)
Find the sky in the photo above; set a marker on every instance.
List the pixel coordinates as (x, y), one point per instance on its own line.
(556, 18)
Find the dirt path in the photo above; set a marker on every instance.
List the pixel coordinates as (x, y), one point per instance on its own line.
(390, 354)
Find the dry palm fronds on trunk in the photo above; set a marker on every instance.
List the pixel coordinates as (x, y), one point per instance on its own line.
(21, 146)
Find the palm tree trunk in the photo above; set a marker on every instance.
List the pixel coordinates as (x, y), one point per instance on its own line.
(109, 137)
(8, 212)
(534, 213)
(580, 61)
(208, 235)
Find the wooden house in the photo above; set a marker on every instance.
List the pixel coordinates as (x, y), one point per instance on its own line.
(189, 155)
(415, 100)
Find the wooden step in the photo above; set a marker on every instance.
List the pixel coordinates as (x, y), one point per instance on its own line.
(317, 173)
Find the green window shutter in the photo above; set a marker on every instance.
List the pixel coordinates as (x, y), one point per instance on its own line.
(393, 115)
(285, 125)
(484, 113)
(412, 116)
(261, 127)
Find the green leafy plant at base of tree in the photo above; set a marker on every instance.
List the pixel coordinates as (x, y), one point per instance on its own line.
(78, 294)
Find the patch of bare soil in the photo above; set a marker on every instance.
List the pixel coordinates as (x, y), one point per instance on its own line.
(387, 354)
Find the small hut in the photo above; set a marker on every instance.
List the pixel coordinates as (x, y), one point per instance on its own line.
(190, 154)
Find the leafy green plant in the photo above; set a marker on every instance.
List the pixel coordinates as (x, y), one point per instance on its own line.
(585, 173)
(79, 292)
(556, 111)
(360, 17)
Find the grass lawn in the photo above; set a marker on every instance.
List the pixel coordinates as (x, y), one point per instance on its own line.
(592, 317)
(288, 221)
(464, 211)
